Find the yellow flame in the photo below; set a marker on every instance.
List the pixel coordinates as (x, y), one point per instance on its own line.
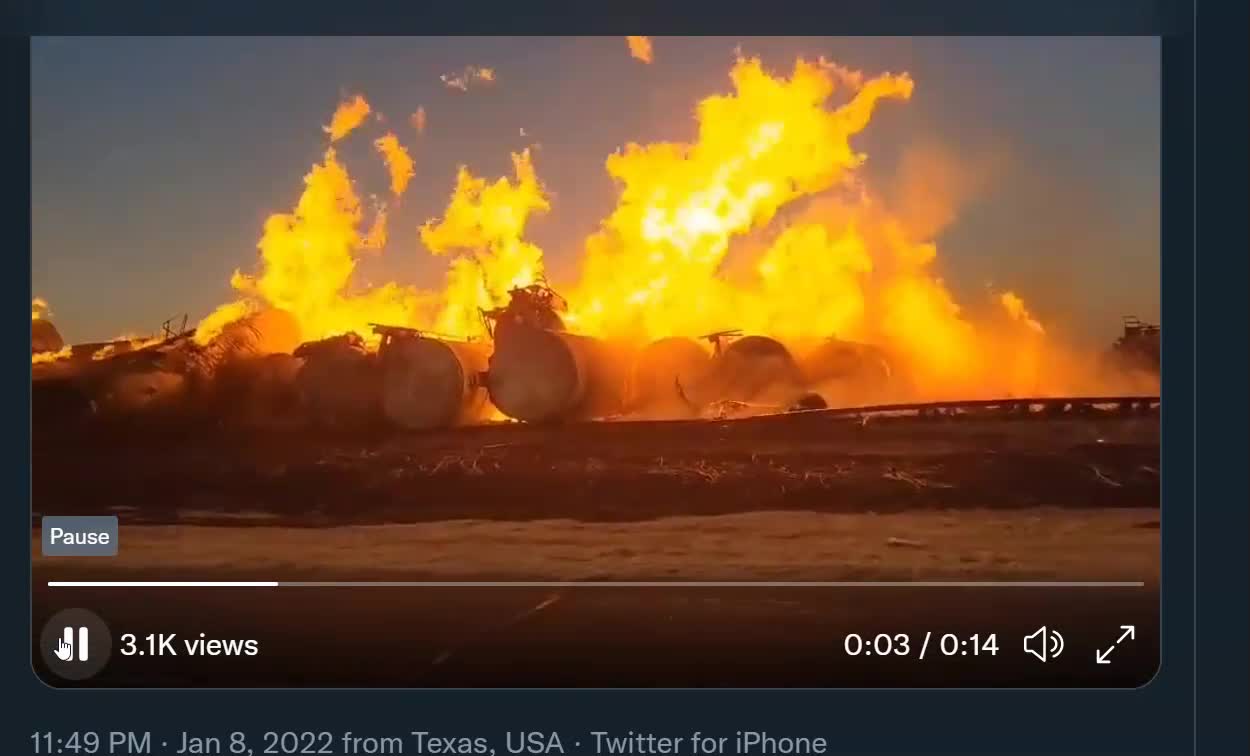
(398, 162)
(39, 309)
(653, 268)
(308, 257)
(40, 358)
(640, 48)
(483, 225)
(125, 343)
(695, 243)
(211, 326)
(763, 222)
(349, 114)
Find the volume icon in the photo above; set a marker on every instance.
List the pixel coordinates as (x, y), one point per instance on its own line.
(1043, 643)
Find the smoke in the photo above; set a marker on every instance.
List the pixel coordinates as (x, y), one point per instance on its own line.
(1015, 308)
(933, 184)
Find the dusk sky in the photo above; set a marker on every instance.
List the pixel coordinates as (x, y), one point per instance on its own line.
(155, 160)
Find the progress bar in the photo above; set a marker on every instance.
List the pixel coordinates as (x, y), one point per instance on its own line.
(596, 584)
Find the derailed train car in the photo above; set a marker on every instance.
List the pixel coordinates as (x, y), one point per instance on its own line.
(539, 372)
(662, 374)
(430, 382)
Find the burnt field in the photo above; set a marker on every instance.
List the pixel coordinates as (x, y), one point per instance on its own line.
(598, 472)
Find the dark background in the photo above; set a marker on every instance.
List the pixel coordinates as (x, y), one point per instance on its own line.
(1207, 401)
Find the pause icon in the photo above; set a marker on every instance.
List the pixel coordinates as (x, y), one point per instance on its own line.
(72, 649)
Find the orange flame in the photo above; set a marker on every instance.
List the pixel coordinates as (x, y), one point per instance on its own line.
(349, 114)
(307, 261)
(398, 162)
(653, 268)
(125, 343)
(640, 48)
(762, 223)
(41, 358)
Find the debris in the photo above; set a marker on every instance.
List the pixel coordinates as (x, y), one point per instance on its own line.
(912, 480)
(905, 543)
(466, 78)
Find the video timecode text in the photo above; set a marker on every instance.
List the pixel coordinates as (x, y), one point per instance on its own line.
(906, 645)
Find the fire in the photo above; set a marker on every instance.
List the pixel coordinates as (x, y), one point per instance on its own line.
(125, 343)
(483, 225)
(654, 268)
(640, 48)
(398, 162)
(695, 243)
(307, 260)
(211, 326)
(763, 223)
(349, 114)
(63, 353)
(39, 309)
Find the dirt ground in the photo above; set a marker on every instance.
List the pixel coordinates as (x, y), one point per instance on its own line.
(598, 472)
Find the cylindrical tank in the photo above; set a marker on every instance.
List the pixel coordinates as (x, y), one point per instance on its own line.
(538, 375)
(663, 372)
(848, 373)
(837, 360)
(754, 369)
(431, 383)
(338, 384)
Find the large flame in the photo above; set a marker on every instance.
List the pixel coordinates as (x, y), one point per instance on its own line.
(483, 225)
(654, 267)
(763, 223)
(308, 257)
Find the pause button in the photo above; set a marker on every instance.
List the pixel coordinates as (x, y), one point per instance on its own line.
(75, 644)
